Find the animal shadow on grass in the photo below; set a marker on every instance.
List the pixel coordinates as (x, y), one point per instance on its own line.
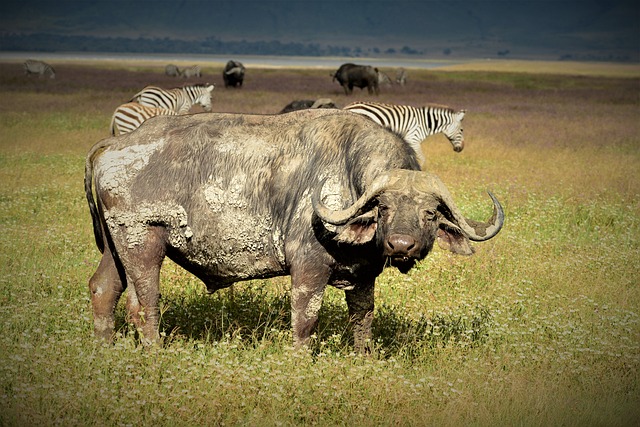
(253, 315)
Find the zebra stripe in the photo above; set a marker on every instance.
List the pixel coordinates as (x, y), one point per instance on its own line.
(32, 66)
(179, 100)
(193, 71)
(128, 117)
(414, 124)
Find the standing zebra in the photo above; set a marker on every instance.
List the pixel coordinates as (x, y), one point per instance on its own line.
(383, 78)
(401, 76)
(179, 100)
(128, 117)
(31, 66)
(193, 71)
(414, 124)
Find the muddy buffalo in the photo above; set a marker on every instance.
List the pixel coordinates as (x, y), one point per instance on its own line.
(325, 196)
(350, 75)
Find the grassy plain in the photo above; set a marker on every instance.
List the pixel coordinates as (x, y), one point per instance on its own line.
(540, 327)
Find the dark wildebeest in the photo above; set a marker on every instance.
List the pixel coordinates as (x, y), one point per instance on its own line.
(325, 196)
(233, 74)
(303, 104)
(350, 75)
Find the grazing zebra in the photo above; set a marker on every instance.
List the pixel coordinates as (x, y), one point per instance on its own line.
(193, 71)
(172, 70)
(401, 76)
(179, 100)
(383, 78)
(414, 124)
(128, 117)
(31, 66)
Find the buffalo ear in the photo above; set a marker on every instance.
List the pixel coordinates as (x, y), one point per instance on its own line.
(360, 229)
(452, 239)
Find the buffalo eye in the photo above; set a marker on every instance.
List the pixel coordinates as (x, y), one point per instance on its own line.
(429, 215)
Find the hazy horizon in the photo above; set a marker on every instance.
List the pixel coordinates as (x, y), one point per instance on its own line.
(520, 28)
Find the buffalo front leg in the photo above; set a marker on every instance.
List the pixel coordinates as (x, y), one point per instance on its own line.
(106, 286)
(307, 289)
(360, 302)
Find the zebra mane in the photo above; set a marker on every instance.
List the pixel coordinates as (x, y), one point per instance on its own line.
(195, 85)
(386, 104)
(440, 107)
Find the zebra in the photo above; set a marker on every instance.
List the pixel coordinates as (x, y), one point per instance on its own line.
(414, 124)
(128, 117)
(179, 100)
(172, 70)
(401, 76)
(383, 78)
(193, 71)
(32, 66)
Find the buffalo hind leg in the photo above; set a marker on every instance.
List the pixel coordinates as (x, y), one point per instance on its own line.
(106, 286)
(142, 265)
(360, 302)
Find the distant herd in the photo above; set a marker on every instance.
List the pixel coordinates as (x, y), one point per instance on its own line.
(329, 196)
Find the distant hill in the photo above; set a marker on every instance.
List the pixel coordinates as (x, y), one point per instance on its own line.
(554, 29)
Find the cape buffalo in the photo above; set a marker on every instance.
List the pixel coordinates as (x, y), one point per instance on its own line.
(233, 74)
(350, 75)
(325, 196)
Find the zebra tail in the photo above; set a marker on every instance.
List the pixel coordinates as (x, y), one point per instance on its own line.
(98, 231)
(113, 125)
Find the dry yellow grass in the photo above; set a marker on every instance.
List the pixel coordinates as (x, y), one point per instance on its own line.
(539, 327)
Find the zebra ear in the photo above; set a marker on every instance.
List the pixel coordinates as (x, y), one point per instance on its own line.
(460, 115)
(210, 88)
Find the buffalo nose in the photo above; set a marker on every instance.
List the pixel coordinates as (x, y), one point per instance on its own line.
(400, 244)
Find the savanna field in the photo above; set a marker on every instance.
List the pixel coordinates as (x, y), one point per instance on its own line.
(540, 327)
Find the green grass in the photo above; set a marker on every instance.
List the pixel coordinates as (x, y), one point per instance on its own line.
(540, 327)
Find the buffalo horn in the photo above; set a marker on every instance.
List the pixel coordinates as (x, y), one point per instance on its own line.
(341, 217)
(475, 230)
(418, 181)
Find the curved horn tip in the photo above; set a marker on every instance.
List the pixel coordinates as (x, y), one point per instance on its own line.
(495, 223)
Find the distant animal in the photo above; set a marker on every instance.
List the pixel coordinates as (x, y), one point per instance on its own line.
(401, 76)
(414, 124)
(325, 196)
(302, 104)
(179, 100)
(128, 117)
(193, 71)
(383, 78)
(172, 70)
(32, 66)
(233, 74)
(350, 75)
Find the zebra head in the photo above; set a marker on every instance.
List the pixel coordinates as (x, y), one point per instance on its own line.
(203, 97)
(454, 130)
